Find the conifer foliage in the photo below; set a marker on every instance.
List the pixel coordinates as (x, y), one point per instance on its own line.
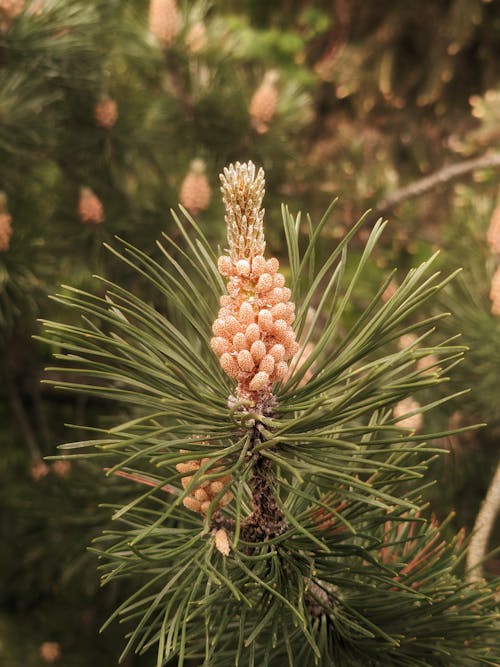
(278, 517)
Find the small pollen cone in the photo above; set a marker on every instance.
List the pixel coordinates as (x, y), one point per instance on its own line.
(5, 224)
(200, 497)
(222, 542)
(106, 112)
(401, 410)
(264, 103)
(195, 193)
(164, 21)
(493, 234)
(495, 293)
(90, 208)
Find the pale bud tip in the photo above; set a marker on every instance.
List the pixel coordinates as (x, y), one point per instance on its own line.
(222, 542)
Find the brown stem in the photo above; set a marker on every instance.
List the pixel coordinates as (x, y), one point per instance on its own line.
(483, 526)
(267, 520)
(440, 177)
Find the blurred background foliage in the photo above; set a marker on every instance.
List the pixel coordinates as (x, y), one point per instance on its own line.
(111, 112)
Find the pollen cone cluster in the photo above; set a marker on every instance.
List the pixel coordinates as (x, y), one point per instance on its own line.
(201, 497)
(264, 103)
(253, 337)
(90, 208)
(106, 112)
(164, 20)
(195, 192)
(495, 293)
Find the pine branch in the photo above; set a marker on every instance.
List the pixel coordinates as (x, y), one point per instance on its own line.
(483, 527)
(441, 177)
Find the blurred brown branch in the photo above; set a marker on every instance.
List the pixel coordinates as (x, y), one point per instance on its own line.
(482, 529)
(440, 177)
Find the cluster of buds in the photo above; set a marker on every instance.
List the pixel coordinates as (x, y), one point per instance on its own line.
(164, 21)
(90, 209)
(264, 102)
(253, 336)
(195, 192)
(201, 497)
(106, 112)
(9, 10)
(5, 224)
(495, 293)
